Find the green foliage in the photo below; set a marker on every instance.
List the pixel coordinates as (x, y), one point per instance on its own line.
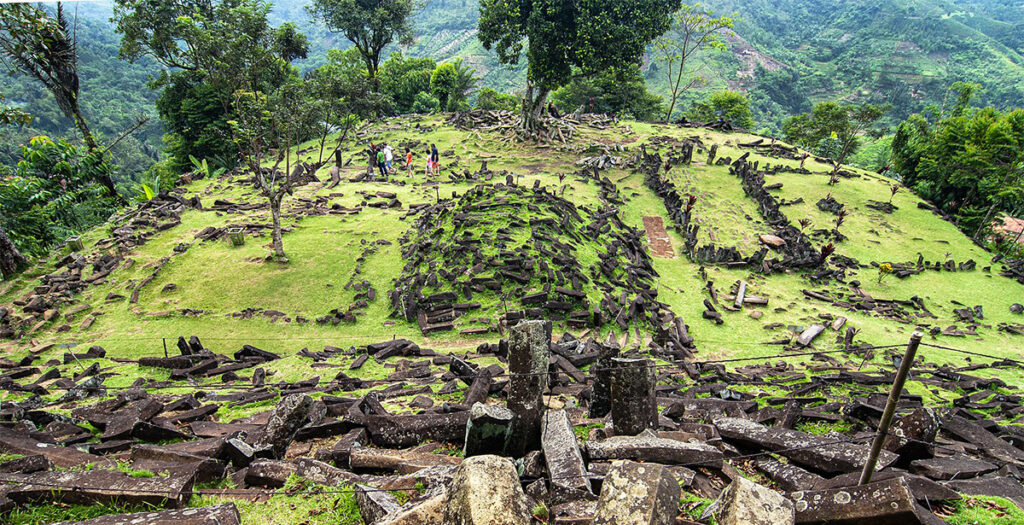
(562, 39)
(450, 83)
(490, 99)
(12, 116)
(403, 79)
(693, 29)
(425, 103)
(831, 120)
(52, 194)
(371, 25)
(43, 47)
(970, 164)
(620, 91)
(221, 47)
(730, 106)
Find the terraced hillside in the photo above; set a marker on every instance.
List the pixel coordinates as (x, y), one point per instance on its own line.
(676, 243)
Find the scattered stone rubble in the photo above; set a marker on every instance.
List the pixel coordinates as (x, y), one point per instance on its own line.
(652, 433)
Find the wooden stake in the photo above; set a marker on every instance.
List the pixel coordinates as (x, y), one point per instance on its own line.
(890, 407)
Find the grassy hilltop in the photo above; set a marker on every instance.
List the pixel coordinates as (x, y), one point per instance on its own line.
(220, 280)
(229, 296)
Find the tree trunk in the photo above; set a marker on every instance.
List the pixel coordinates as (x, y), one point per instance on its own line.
(275, 235)
(12, 261)
(984, 222)
(90, 143)
(533, 107)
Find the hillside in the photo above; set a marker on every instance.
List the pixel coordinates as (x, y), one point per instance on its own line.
(592, 234)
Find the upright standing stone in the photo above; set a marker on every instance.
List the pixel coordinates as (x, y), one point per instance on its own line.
(638, 494)
(601, 400)
(634, 407)
(529, 348)
(564, 461)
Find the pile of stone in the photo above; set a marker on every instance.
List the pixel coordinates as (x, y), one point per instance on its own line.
(521, 246)
(770, 148)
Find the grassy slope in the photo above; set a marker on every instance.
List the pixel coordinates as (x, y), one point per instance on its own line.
(221, 279)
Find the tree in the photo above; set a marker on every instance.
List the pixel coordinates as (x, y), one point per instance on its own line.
(217, 48)
(260, 124)
(12, 116)
(830, 120)
(970, 164)
(563, 40)
(403, 78)
(693, 29)
(43, 47)
(334, 109)
(371, 25)
(618, 91)
(492, 100)
(730, 106)
(451, 83)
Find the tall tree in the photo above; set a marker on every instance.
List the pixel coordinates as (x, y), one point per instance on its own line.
(693, 29)
(218, 47)
(451, 82)
(371, 25)
(11, 259)
(563, 39)
(34, 43)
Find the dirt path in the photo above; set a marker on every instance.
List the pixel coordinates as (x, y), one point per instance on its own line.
(660, 244)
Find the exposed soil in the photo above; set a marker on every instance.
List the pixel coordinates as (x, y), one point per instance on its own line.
(660, 245)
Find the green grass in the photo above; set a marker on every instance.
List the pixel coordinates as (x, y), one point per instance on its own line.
(308, 503)
(220, 279)
(984, 510)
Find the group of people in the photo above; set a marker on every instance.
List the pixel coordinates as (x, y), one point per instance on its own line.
(384, 158)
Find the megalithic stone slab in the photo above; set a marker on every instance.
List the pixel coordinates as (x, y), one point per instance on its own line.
(563, 458)
(223, 514)
(601, 399)
(649, 447)
(913, 435)
(98, 486)
(409, 430)
(486, 491)
(286, 419)
(744, 502)
(638, 494)
(634, 407)
(888, 502)
(529, 354)
(828, 454)
(487, 429)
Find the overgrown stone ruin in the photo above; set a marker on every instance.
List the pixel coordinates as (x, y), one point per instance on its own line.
(537, 436)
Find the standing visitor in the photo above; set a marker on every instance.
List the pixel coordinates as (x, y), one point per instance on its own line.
(389, 157)
(408, 160)
(381, 165)
(435, 159)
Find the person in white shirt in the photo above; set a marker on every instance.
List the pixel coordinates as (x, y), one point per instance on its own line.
(388, 157)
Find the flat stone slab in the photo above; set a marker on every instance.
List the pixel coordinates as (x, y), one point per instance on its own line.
(888, 502)
(955, 467)
(563, 458)
(828, 454)
(223, 514)
(98, 486)
(649, 447)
